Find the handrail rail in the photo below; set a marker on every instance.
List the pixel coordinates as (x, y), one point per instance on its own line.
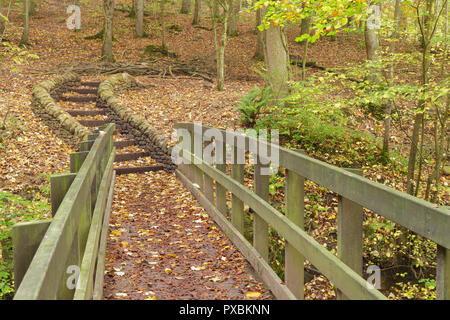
(82, 206)
(355, 192)
(358, 189)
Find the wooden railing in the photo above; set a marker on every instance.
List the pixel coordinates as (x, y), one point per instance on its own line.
(209, 184)
(63, 258)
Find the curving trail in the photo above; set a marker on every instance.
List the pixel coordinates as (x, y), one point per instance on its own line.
(162, 244)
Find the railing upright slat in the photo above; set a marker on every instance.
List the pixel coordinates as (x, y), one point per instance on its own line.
(295, 208)
(350, 233)
(237, 206)
(221, 192)
(260, 227)
(443, 272)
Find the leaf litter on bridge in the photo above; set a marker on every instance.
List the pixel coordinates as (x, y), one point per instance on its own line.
(163, 245)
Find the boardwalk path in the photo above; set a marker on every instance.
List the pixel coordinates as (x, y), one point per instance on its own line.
(163, 245)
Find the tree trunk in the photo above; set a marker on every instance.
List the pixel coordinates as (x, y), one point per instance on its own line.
(390, 77)
(26, 20)
(304, 27)
(259, 52)
(108, 9)
(276, 58)
(196, 20)
(235, 7)
(2, 20)
(140, 18)
(221, 43)
(426, 37)
(185, 7)
(371, 38)
(162, 19)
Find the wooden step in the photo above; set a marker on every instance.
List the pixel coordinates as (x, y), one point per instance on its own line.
(121, 157)
(90, 84)
(129, 170)
(78, 99)
(93, 123)
(86, 112)
(85, 91)
(123, 144)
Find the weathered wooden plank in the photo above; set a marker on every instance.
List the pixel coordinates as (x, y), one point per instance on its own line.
(86, 145)
(95, 112)
(335, 270)
(59, 185)
(443, 272)
(261, 267)
(237, 206)
(295, 208)
(26, 238)
(76, 160)
(100, 268)
(85, 286)
(350, 233)
(123, 144)
(121, 157)
(260, 227)
(221, 192)
(128, 170)
(43, 277)
(93, 123)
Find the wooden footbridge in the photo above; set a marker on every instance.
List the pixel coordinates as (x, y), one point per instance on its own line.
(63, 258)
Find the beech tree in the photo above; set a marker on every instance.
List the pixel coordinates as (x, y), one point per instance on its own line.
(2, 19)
(139, 8)
(108, 9)
(185, 6)
(220, 23)
(26, 22)
(197, 8)
(235, 7)
(331, 17)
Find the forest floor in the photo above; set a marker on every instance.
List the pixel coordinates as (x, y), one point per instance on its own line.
(157, 249)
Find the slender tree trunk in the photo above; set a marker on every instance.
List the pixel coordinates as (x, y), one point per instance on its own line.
(140, 18)
(108, 9)
(2, 19)
(371, 39)
(259, 52)
(235, 7)
(162, 10)
(427, 35)
(276, 58)
(26, 21)
(305, 27)
(388, 106)
(220, 44)
(185, 7)
(197, 7)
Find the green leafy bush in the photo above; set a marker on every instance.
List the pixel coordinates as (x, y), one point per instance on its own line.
(14, 209)
(310, 120)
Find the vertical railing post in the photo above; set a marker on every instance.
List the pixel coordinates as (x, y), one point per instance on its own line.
(260, 227)
(221, 192)
(26, 238)
(443, 272)
(208, 183)
(59, 185)
(350, 233)
(295, 206)
(237, 206)
(197, 174)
